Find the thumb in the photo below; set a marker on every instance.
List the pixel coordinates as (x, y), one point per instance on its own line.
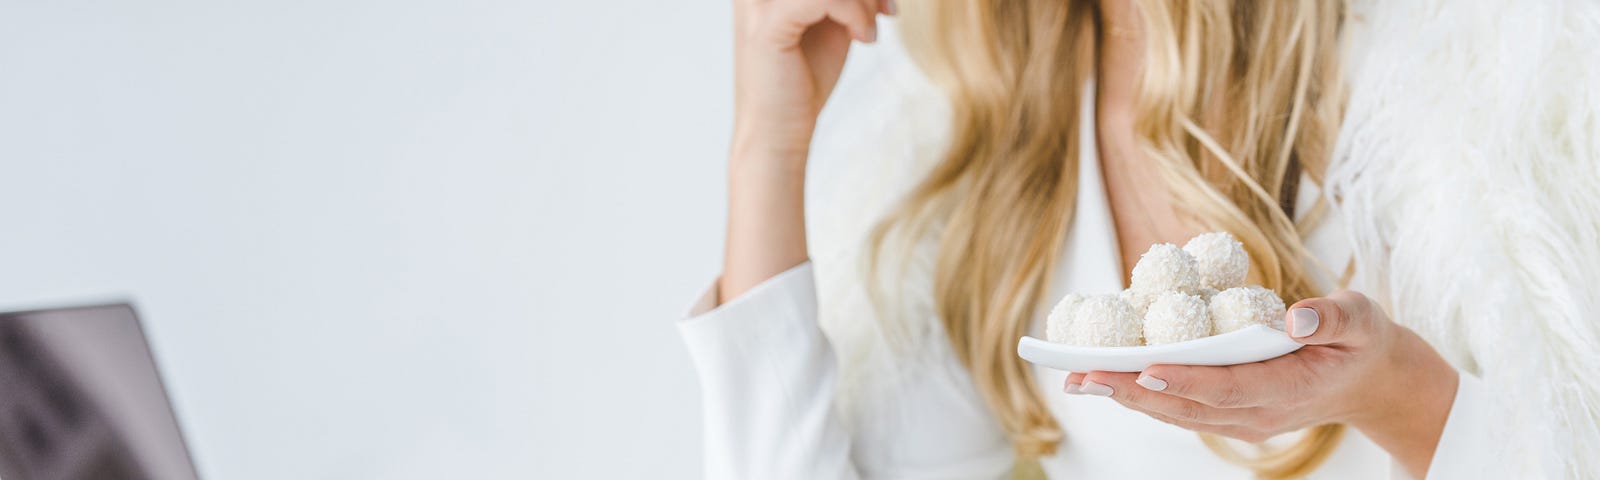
(1343, 316)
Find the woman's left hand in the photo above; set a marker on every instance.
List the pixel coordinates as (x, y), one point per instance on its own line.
(1357, 367)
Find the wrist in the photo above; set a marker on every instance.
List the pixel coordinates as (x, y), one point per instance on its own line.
(772, 137)
(1409, 402)
(756, 160)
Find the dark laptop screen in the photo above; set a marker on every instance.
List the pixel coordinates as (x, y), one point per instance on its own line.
(80, 398)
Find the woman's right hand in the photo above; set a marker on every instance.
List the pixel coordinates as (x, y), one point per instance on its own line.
(787, 58)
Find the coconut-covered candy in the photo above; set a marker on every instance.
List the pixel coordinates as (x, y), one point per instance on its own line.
(1241, 307)
(1139, 301)
(1163, 268)
(1104, 321)
(1220, 260)
(1176, 317)
(1060, 317)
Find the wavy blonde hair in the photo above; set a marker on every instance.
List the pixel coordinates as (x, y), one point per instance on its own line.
(1236, 100)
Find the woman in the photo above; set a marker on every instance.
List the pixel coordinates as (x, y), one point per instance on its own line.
(882, 261)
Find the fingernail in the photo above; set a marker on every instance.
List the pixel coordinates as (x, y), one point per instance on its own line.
(1151, 383)
(893, 10)
(1074, 389)
(872, 34)
(1096, 389)
(1305, 322)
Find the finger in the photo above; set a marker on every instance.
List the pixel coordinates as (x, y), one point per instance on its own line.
(793, 18)
(1073, 383)
(1343, 317)
(860, 16)
(1238, 386)
(1122, 388)
(887, 7)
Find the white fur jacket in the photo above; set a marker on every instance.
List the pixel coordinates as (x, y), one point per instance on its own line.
(1467, 178)
(1468, 172)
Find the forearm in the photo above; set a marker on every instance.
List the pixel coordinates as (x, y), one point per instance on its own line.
(1414, 403)
(766, 218)
(787, 58)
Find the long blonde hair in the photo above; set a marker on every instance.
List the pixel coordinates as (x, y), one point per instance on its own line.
(1236, 100)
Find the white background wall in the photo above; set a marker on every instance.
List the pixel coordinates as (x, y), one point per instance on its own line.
(381, 239)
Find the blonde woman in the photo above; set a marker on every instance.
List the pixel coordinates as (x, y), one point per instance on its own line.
(1436, 160)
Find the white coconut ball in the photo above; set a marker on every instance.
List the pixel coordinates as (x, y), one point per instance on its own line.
(1176, 317)
(1219, 259)
(1139, 301)
(1055, 326)
(1163, 268)
(1241, 307)
(1104, 321)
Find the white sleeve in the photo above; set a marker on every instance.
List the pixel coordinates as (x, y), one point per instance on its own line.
(767, 383)
(1469, 446)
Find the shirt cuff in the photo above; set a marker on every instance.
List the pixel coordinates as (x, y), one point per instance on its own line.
(719, 336)
(767, 383)
(798, 276)
(1467, 444)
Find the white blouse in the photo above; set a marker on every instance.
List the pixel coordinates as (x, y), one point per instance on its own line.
(798, 383)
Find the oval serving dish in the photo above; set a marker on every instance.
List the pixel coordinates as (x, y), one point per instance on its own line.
(1253, 344)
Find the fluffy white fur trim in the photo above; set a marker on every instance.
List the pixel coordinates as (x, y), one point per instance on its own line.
(1468, 170)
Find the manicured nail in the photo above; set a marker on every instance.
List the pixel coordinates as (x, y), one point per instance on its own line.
(1305, 322)
(1151, 383)
(893, 10)
(1074, 389)
(1096, 389)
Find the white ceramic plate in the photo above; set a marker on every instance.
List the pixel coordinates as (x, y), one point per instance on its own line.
(1252, 344)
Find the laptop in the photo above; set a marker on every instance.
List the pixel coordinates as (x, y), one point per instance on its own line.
(81, 398)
